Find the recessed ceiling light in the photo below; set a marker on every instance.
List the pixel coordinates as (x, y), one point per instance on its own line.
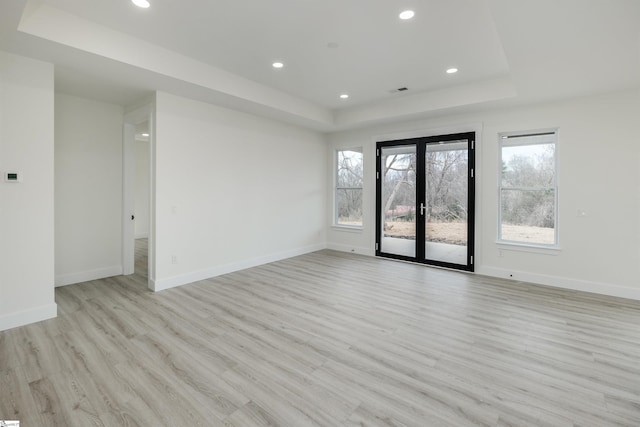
(344, 96)
(277, 65)
(141, 3)
(452, 70)
(407, 14)
(145, 134)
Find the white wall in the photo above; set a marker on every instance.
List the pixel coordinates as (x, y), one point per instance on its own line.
(88, 189)
(232, 190)
(599, 164)
(142, 190)
(26, 209)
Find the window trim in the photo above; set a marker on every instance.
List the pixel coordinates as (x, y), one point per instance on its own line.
(336, 224)
(502, 136)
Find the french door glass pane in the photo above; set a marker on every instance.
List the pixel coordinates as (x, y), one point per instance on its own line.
(445, 212)
(398, 200)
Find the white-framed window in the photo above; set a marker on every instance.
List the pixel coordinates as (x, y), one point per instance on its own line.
(528, 199)
(348, 189)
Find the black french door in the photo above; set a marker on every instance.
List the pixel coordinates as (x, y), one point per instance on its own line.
(425, 200)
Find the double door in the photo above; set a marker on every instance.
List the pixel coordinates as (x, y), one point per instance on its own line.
(425, 200)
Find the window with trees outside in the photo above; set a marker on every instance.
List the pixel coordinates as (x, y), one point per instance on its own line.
(348, 195)
(528, 190)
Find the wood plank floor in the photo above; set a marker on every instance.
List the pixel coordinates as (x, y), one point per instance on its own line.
(326, 339)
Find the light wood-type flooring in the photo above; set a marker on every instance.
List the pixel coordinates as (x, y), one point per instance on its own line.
(326, 339)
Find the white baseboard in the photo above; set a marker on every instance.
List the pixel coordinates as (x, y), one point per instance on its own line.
(183, 279)
(142, 236)
(523, 276)
(562, 282)
(85, 276)
(25, 317)
(351, 249)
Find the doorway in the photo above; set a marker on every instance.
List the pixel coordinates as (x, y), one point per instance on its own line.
(142, 201)
(425, 200)
(138, 194)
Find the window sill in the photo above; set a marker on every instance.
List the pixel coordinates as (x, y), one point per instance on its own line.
(348, 228)
(523, 247)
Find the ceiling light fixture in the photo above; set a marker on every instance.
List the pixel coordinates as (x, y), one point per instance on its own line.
(277, 65)
(344, 96)
(141, 3)
(145, 134)
(452, 70)
(407, 14)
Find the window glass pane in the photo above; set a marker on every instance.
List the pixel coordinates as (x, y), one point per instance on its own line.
(531, 166)
(349, 169)
(528, 216)
(348, 191)
(349, 203)
(528, 210)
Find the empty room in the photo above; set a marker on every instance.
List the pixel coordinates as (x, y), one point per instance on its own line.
(320, 213)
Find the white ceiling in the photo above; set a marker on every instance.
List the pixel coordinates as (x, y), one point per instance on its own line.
(220, 51)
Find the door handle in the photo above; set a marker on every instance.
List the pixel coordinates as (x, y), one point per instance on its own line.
(133, 217)
(422, 208)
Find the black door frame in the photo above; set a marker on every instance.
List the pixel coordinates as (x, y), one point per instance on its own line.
(421, 145)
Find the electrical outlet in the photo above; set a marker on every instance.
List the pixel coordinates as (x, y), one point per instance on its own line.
(12, 176)
(174, 259)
